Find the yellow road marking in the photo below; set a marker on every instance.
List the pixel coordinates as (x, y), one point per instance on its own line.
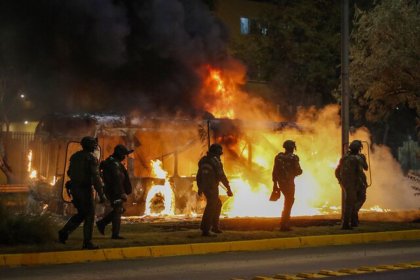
(371, 269)
(407, 265)
(352, 271)
(287, 277)
(332, 273)
(311, 275)
(390, 267)
(341, 272)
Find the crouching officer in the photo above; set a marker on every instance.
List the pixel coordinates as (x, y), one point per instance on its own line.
(352, 179)
(83, 172)
(117, 187)
(210, 174)
(286, 168)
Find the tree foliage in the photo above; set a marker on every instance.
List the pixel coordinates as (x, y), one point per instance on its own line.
(299, 54)
(385, 59)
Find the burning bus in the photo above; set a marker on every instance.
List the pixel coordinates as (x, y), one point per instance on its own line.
(166, 151)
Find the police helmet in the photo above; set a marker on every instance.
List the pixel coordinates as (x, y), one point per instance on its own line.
(289, 145)
(89, 143)
(216, 149)
(121, 150)
(355, 146)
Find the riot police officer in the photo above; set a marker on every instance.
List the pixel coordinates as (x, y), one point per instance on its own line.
(83, 173)
(352, 179)
(210, 174)
(117, 187)
(286, 168)
(361, 191)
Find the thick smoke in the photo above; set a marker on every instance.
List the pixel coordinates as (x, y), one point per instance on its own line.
(103, 55)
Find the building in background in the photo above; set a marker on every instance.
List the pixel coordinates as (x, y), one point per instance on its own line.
(242, 16)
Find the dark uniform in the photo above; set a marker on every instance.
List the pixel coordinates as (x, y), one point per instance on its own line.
(117, 187)
(286, 168)
(352, 179)
(361, 192)
(210, 174)
(83, 172)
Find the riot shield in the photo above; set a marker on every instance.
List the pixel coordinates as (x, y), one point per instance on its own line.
(367, 155)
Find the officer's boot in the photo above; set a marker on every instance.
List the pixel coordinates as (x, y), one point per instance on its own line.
(354, 220)
(206, 220)
(287, 209)
(101, 224)
(285, 220)
(88, 245)
(116, 225)
(87, 233)
(101, 227)
(346, 223)
(348, 211)
(285, 224)
(216, 218)
(63, 235)
(68, 228)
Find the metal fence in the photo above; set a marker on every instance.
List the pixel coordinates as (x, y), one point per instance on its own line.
(16, 148)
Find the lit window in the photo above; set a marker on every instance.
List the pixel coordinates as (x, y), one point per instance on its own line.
(264, 30)
(244, 25)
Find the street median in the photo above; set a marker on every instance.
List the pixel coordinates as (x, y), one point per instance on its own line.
(80, 256)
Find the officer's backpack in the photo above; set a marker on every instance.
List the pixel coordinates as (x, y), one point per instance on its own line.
(79, 168)
(206, 176)
(351, 171)
(286, 167)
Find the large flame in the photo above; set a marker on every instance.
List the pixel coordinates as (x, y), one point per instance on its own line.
(160, 198)
(318, 147)
(222, 97)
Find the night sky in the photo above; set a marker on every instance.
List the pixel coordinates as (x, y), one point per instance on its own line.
(108, 56)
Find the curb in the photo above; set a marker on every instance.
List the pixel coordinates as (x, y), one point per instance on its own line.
(79, 256)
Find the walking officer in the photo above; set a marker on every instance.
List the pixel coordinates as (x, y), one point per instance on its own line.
(210, 174)
(117, 187)
(286, 168)
(83, 173)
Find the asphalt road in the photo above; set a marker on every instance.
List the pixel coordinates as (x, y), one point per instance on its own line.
(238, 264)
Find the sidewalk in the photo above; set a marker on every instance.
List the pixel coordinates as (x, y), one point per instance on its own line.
(65, 257)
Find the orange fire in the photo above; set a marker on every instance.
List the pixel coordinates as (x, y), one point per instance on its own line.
(160, 198)
(32, 172)
(318, 146)
(222, 99)
(249, 154)
(221, 95)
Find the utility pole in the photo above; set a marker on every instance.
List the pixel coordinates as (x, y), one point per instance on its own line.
(344, 83)
(208, 134)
